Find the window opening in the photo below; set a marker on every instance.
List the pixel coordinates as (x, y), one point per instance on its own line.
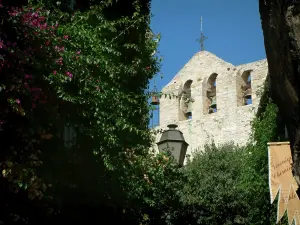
(246, 88)
(211, 94)
(185, 102)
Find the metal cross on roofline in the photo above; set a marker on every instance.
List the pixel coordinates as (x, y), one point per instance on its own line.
(202, 38)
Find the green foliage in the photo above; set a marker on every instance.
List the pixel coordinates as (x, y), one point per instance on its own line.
(93, 67)
(255, 172)
(93, 63)
(214, 176)
(230, 181)
(155, 183)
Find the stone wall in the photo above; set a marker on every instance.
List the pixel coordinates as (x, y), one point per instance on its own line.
(231, 122)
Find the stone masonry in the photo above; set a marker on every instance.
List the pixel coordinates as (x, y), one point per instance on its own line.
(231, 121)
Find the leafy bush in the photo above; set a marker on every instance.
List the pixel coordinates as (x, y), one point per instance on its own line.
(255, 172)
(214, 177)
(231, 182)
(84, 68)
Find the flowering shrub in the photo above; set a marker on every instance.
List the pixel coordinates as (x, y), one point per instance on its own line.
(78, 69)
(23, 95)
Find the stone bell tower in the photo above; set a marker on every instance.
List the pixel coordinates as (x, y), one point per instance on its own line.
(210, 99)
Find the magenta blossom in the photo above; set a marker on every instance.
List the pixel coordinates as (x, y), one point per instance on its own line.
(59, 49)
(54, 72)
(59, 61)
(69, 74)
(28, 76)
(18, 101)
(1, 44)
(78, 52)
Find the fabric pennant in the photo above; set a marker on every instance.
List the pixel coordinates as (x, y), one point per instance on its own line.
(282, 182)
(280, 170)
(293, 205)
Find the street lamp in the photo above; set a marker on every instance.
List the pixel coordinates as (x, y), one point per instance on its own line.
(172, 140)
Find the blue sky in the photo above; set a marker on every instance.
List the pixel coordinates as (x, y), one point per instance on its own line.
(233, 29)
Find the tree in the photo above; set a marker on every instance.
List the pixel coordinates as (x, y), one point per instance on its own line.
(85, 68)
(281, 26)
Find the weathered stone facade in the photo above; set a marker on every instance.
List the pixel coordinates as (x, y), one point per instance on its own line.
(231, 121)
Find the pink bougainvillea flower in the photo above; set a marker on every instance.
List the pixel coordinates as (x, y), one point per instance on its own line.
(78, 52)
(28, 76)
(69, 74)
(54, 72)
(12, 13)
(1, 44)
(47, 42)
(59, 61)
(18, 101)
(66, 37)
(59, 49)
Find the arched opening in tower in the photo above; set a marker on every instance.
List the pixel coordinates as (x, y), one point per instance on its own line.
(185, 101)
(247, 88)
(211, 94)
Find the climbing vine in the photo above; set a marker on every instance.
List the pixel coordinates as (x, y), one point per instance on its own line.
(85, 69)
